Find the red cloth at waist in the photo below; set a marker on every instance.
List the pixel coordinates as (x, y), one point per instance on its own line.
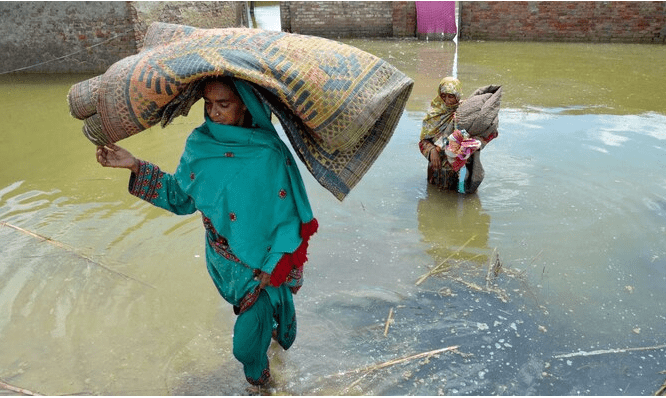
(297, 259)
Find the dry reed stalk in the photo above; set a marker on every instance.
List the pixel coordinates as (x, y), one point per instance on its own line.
(389, 320)
(437, 269)
(396, 361)
(610, 351)
(71, 250)
(535, 257)
(17, 389)
(661, 391)
(470, 285)
(40, 237)
(501, 294)
(392, 362)
(491, 268)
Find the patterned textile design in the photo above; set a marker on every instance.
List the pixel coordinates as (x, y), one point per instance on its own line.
(295, 280)
(460, 148)
(146, 190)
(338, 105)
(441, 119)
(265, 377)
(451, 85)
(247, 301)
(218, 242)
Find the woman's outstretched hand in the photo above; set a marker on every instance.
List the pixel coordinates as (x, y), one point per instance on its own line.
(112, 155)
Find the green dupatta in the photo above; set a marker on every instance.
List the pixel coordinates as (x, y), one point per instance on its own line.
(245, 180)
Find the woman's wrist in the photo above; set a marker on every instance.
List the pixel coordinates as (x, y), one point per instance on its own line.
(136, 165)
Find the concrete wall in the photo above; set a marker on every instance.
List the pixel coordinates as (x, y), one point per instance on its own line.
(570, 21)
(72, 36)
(32, 33)
(346, 19)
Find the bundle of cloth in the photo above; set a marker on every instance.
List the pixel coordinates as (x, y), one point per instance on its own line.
(337, 104)
(478, 116)
(479, 113)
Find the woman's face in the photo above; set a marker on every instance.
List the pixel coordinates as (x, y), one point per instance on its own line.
(449, 99)
(222, 105)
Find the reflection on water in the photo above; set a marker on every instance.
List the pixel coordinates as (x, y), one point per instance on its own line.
(117, 301)
(455, 224)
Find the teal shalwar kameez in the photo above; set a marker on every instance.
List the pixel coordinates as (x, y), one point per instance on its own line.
(257, 217)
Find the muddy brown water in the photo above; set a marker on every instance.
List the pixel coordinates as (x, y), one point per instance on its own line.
(118, 301)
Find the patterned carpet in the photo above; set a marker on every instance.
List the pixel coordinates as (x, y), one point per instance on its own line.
(338, 105)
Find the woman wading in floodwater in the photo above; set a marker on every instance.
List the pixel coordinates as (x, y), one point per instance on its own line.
(239, 174)
(447, 147)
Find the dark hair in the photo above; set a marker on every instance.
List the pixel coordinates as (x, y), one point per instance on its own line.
(226, 80)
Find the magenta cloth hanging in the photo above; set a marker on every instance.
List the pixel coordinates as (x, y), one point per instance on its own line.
(436, 19)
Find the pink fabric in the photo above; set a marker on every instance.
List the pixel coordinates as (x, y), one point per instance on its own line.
(436, 17)
(460, 148)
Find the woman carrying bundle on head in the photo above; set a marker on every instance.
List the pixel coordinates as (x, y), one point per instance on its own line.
(243, 179)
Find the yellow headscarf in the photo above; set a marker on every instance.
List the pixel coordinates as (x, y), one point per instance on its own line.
(439, 117)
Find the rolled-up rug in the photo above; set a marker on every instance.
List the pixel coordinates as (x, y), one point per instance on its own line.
(338, 105)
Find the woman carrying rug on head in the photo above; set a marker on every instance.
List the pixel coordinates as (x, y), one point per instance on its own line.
(447, 147)
(243, 179)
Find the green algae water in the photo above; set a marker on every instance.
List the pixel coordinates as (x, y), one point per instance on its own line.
(117, 300)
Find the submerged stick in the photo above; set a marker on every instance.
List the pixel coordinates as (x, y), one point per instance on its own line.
(473, 286)
(662, 390)
(389, 320)
(535, 257)
(38, 236)
(392, 362)
(437, 268)
(396, 361)
(16, 389)
(71, 250)
(493, 269)
(610, 351)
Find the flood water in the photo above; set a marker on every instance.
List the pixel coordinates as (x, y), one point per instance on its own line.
(117, 300)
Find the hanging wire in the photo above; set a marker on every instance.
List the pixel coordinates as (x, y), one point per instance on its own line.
(68, 55)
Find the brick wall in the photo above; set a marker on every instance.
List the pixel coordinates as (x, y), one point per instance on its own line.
(404, 19)
(32, 33)
(200, 14)
(584, 21)
(45, 36)
(347, 19)
(72, 36)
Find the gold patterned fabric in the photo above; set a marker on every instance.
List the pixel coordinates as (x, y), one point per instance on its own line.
(338, 105)
(438, 120)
